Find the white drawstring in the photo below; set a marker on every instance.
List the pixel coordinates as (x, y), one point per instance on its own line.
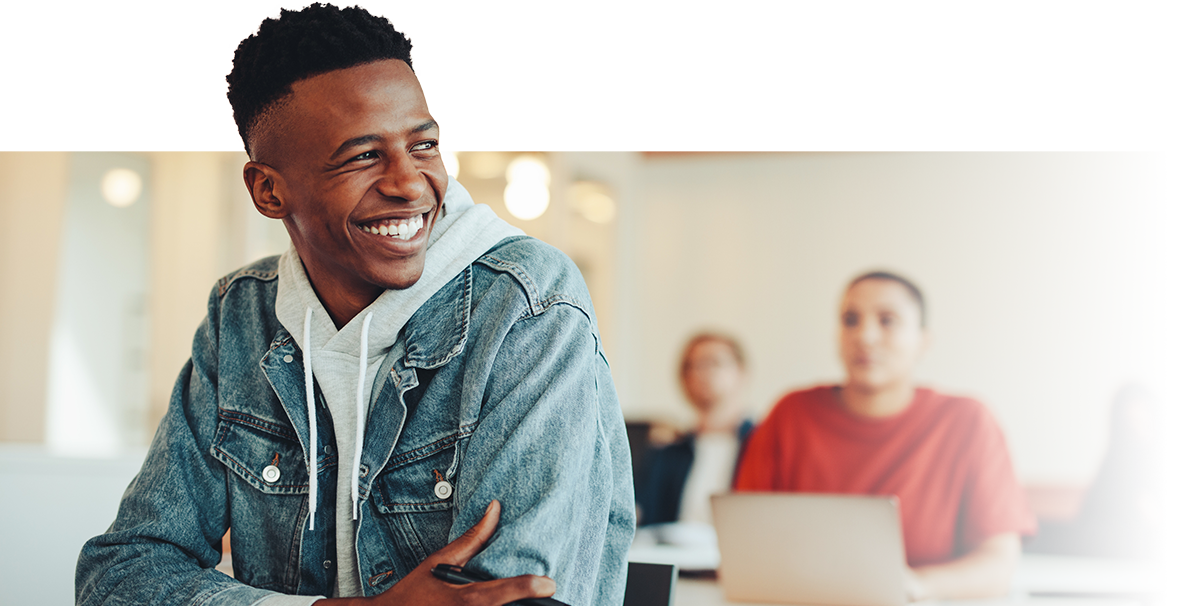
(312, 425)
(358, 437)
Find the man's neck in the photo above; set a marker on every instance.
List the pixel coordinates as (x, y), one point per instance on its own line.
(343, 305)
(724, 417)
(878, 402)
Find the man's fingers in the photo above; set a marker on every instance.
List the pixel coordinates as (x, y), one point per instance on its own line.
(472, 541)
(504, 591)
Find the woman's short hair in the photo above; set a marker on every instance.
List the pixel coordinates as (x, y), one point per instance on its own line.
(701, 337)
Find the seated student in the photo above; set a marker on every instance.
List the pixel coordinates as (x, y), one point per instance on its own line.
(944, 457)
(412, 383)
(1151, 472)
(676, 481)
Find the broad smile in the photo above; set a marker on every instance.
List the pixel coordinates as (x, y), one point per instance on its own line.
(398, 229)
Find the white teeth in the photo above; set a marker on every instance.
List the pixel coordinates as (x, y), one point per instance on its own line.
(402, 229)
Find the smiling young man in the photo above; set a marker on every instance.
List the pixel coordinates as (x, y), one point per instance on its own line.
(414, 382)
(943, 457)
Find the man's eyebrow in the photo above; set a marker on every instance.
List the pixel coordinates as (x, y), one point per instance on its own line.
(355, 142)
(424, 126)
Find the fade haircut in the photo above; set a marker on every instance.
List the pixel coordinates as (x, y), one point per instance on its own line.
(908, 285)
(300, 44)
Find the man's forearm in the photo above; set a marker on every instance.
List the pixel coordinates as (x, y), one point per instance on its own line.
(984, 572)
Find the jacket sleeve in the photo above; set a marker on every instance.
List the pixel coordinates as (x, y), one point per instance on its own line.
(166, 540)
(551, 447)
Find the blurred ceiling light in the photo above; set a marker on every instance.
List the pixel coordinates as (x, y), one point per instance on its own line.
(121, 187)
(528, 168)
(527, 194)
(593, 201)
(450, 161)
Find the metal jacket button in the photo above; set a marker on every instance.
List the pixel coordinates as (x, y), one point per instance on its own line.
(271, 474)
(443, 490)
(288, 358)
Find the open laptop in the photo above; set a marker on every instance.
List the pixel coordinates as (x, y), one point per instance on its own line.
(797, 548)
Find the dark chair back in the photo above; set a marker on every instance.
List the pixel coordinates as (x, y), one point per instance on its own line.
(650, 584)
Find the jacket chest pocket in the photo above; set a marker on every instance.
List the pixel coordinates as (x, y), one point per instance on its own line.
(415, 495)
(421, 479)
(264, 454)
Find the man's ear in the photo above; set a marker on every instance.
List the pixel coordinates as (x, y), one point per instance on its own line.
(264, 184)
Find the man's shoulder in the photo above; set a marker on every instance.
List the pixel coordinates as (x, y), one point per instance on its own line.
(545, 274)
(262, 271)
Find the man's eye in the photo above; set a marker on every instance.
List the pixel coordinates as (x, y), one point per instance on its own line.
(365, 156)
(425, 146)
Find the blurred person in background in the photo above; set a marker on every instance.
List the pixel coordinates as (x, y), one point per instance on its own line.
(676, 480)
(943, 457)
(1151, 472)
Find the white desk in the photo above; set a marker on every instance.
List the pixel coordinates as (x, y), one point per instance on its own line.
(1041, 573)
(690, 592)
(1040, 580)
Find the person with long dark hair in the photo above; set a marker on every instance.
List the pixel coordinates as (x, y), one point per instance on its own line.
(1151, 472)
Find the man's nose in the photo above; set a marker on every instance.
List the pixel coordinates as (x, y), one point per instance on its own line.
(869, 332)
(403, 180)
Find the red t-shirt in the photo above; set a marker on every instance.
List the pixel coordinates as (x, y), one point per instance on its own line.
(943, 457)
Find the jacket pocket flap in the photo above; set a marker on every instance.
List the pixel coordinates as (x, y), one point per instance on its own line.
(409, 481)
(261, 452)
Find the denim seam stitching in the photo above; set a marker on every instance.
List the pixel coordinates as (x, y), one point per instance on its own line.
(224, 284)
(257, 423)
(416, 454)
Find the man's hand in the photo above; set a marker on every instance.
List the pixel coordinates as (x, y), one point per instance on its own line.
(420, 587)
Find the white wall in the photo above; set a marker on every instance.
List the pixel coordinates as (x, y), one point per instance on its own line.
(1042, 272)
(49, 508)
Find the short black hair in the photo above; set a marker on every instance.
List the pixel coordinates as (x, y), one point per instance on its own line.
(300, 44)
(908, 285)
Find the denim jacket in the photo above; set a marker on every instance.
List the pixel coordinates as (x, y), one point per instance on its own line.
(498, 385)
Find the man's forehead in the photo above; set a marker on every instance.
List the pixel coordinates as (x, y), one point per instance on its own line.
(382, 98)
(362, 87)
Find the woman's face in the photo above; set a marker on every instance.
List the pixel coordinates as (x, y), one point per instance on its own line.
(711, 374)
(1140, 424)
(881, 335)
